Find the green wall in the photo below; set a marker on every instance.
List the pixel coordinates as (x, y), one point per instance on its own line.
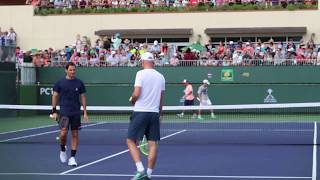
(8, 90)
(113, 86)
(256, 75)
(28, 94)
(110, 95)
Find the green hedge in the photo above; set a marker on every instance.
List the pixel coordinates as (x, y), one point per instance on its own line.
(199, 8)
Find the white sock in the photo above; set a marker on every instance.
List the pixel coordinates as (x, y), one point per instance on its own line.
(140, 167)
(149, 172)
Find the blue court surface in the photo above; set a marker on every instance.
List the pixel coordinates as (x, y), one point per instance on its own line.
(213, 150)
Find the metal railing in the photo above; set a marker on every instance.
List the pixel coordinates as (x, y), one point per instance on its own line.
(27, 71)
(188, 63)
(7, 53)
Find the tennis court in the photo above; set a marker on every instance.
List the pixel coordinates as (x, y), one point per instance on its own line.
(242, 142)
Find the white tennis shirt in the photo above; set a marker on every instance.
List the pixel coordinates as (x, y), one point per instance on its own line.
(151, 83)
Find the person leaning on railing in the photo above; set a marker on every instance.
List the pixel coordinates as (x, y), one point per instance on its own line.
(188, 58)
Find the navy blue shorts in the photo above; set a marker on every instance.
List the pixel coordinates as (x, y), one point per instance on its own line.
(144, 123)
(73, 122)
(189, 102)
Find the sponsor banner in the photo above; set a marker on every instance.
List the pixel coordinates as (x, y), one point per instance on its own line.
(227, 75)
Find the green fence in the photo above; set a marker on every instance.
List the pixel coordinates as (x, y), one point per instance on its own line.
(8, 75)
(230, 85)
(8, 90)
(246, 75)
(111, 95)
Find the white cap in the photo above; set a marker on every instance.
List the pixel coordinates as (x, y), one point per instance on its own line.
(185, 81)
(291, 49)
(147, 56)
(155, 42)
(205, 81)
(113, 52)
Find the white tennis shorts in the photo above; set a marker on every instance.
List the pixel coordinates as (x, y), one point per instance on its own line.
(205, 103)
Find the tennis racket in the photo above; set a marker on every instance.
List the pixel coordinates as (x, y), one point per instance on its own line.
(143, 144)
(182, 99)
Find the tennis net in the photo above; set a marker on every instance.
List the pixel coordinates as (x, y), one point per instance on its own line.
(261, 124)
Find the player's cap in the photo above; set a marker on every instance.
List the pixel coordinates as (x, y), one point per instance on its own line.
(185, 81)
(147, 56)
(205, 81)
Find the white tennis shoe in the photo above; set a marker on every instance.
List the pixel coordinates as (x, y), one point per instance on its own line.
(180, 115)
(72, 162)
(63, 156)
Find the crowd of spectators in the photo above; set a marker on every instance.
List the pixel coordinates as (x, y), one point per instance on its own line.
(103, 52)
(79, 4)
(106, 52)
(262, 53)
(8, 41)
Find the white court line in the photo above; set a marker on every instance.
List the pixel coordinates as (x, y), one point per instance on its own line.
(214, 130)
(44, 133)
(114, 155)
(314, 160)
(27, 129)
(160, 175)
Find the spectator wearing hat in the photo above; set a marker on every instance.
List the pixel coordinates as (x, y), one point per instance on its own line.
(37, 60)
(187, 98)
(113, 59)
(83, 59)
(204, 98)
(155, 48)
